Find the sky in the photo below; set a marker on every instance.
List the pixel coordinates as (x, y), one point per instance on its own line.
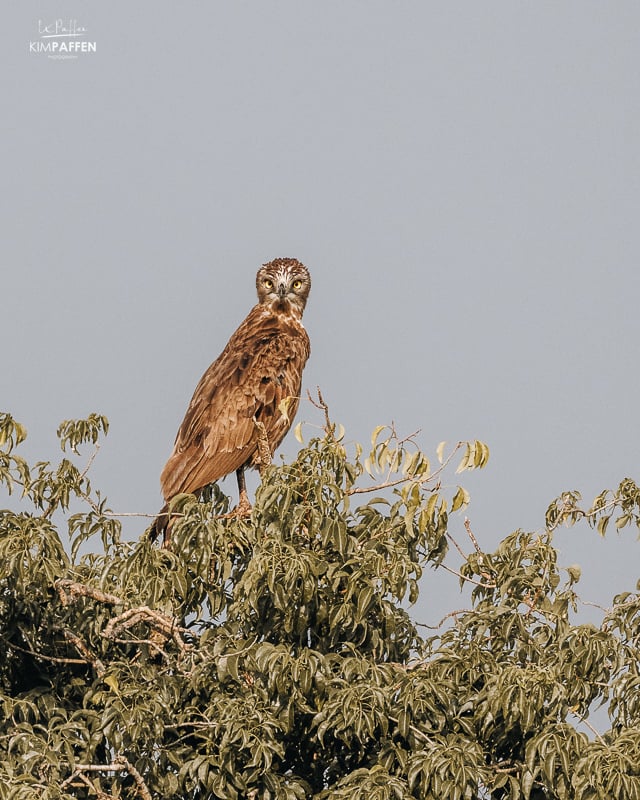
(462, 180)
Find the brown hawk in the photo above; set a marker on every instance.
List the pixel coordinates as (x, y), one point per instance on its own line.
(237, 408)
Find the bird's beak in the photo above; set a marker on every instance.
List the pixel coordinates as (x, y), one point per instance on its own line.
(282, 290)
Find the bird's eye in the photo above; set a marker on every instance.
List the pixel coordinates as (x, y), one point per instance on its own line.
(268, 283)
(297, 285)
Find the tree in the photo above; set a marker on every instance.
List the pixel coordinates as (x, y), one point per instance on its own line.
(273, 656)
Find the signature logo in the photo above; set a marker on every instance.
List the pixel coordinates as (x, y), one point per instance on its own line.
(60, 28)
(62, 39)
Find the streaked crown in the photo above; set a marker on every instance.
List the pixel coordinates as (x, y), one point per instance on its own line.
(284, 284)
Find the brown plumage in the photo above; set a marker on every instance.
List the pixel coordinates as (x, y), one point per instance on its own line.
(242, 391)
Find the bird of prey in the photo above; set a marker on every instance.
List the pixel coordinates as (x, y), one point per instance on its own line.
(237, 410)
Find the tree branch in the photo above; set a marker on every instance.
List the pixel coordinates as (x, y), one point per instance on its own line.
(54, 659)
(119, 764)
(162, 623)
(68, 588)
(329, 427)
(164, 626)
(465, 578)
(590, 726)
(467, 527)
(453, 614)
(76, 641)
(84, 651)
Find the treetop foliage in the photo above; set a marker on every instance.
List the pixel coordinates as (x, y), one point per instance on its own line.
(274, 656)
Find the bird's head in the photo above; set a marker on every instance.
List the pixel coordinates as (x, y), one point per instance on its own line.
(283, 285)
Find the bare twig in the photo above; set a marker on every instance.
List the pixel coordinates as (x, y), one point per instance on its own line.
(465, 578)
(132, 514)
(329, 427)
(92, 458)
(144, 515)
(457, 546)
(598, 606)
(379, 486)
(590, 726)
(467, 526)
(453, 614)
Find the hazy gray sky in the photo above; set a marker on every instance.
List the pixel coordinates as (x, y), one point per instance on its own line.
(462, 179)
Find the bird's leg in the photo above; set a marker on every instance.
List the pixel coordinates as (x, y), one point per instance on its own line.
(244, 506)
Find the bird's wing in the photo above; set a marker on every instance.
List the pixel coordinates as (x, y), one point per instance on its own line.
(260, 366)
